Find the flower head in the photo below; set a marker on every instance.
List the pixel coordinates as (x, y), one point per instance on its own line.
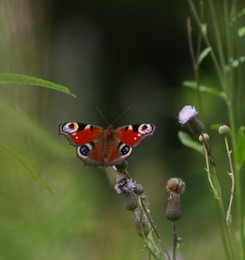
(186, 114)
(125, 186)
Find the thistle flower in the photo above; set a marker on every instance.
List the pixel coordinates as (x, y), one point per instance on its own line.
(188, 115)
(125, 186)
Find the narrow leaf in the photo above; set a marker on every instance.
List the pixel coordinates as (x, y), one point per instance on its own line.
(213, 91)
(204, 54)
(26, 165)
(11, 78)
(240, 147)
(187, 141)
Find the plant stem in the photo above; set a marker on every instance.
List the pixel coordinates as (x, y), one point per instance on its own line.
(231, 174)
(154, 228)
(174, 241)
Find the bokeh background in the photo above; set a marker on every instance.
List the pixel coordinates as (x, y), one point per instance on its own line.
(114, 55)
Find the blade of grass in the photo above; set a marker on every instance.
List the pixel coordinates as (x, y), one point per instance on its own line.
(26, 165)
(11, 78)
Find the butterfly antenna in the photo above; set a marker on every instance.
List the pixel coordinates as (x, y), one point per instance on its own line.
(120, 116)
(102, 115)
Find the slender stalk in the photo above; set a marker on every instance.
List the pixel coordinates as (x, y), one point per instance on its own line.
(154, 228)
(214, 183)
(194, 62)
(231, 174)
(206, 39)
(174, 241)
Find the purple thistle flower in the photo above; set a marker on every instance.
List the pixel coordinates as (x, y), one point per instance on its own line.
(125, 186)
(186, 114)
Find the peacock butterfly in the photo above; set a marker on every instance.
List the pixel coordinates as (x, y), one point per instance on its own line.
(104, 147)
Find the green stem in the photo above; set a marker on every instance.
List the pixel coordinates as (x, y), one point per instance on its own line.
(174, 241)
(231, 174)
(154, 228)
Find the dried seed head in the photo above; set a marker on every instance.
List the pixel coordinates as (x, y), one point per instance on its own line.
(175, 185)
(130, 201)
(224, 130)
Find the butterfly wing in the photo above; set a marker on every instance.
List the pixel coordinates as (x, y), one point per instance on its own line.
(87, 139)
(125, 138)
(132, 135)
(80, 133)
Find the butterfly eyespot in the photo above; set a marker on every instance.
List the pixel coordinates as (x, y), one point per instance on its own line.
(70, 127)
(84, 150)
(125, 150)
(146, 128)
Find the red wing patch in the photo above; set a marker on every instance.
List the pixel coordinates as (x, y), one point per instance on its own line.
(133, 134)
(79, 133)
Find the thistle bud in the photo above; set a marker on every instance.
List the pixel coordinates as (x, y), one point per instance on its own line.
(203, 137)
(224, 130)
(139, 189)
(130, 201)
(196, 125)
(173, 211)
(175, 187)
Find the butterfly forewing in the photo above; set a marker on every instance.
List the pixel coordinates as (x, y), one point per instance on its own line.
(131, 135)
(80, 133)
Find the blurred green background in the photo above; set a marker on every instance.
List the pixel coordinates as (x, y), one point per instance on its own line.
(111, 54)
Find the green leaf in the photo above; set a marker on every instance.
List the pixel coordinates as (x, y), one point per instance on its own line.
(204, 54)
(213, 91)
(240, 147)
(187, 141)
(241, 31)
(11, 78)
(26, 165)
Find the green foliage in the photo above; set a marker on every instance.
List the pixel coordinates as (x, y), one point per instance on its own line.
(26, 165)
(240, 147)
(11, 78)
(205, 89)
(187, 141)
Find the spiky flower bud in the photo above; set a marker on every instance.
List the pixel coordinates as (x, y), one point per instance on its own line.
(196, 125)
(130, 201)
(203, 137)
(139, 189)
(173, 211)
(224, 130)
(122, 167)
(142, 226)
(175, 187)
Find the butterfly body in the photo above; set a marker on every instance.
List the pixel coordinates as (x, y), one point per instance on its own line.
(104, 147)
